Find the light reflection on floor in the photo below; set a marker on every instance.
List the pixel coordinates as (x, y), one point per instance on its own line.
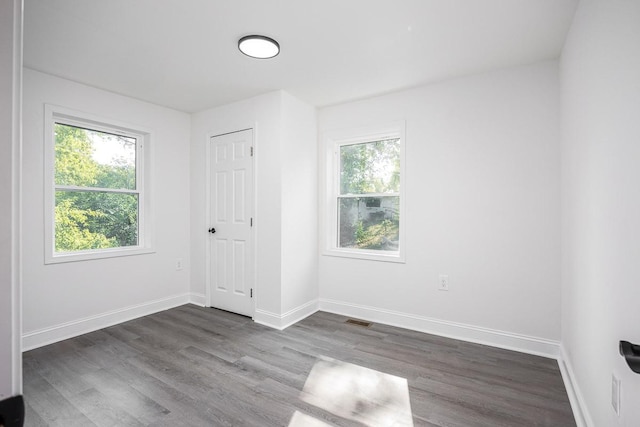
(303, 420)
(356, 393)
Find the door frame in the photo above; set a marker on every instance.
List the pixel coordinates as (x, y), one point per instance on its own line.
(254, 209)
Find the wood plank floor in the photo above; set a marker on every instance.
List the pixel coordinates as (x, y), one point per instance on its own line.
(193, 366)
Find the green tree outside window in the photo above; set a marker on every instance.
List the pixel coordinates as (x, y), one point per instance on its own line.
(368, 200)
(96, 199)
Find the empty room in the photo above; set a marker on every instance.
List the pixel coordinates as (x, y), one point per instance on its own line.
(320, 213)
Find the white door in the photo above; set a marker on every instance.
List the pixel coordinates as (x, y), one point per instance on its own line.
(231, 222)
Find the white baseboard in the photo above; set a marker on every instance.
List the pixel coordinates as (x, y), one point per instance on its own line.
(475, 334)
(63, 331)
(198, 299)
(267, 318)
(299, 313)
(578, 405)
(283, 321)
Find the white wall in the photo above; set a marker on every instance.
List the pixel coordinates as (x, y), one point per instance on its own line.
(263, 114)
(600, 77)
(482, 189)
(10, 89)
(69, 298)
(299, 204)
(286, 202)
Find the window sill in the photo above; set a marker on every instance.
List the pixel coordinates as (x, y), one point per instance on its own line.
(96, 254)
(396, 257)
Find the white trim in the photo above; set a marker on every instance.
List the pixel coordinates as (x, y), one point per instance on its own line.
(207, 218)
(97, 254)
(63, 331)
(267, 318)
(57, 114)
(576, 398)
(96, 189)
(16, 202)
(371, 255)
(476, 334)
(283, 321)
(198, 299)
(329, 185)
(255, 216)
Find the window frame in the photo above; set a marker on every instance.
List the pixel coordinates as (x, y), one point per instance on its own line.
(332, 141)
(65, 116)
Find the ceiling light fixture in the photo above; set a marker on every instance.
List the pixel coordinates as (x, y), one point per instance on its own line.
(261, 47)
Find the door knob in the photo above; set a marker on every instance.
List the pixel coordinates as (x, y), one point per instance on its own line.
(631, 353)
(212, 230)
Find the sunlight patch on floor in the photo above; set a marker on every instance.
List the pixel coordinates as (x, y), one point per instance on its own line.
(356, 393)
(303, 420)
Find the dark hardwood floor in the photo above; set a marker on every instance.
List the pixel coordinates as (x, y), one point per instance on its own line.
(193, 366)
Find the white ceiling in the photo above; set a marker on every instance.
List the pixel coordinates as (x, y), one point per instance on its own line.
(183, 53)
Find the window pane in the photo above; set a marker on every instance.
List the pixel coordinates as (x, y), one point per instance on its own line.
(372, 167)
(89, 158)
(369, 223)
(94, 220)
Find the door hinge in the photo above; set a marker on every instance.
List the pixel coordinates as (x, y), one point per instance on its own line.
(251, 222)
(251, 150)
(251, 293)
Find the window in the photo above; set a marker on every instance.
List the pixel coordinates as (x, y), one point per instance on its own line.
(95, 177)
(364, 194)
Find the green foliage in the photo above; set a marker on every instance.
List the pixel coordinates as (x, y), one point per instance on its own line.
(91, 219)
(372, 167)
(360, 234)
(72, 231)
(376, 236)
(74, 164)
(119, 175)
(367, 222)
(369, 226)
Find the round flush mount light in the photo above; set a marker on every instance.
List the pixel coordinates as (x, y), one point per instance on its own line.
(261, 47)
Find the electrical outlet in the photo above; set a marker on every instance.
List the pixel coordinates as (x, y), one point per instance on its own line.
(615, 394)
(179, 265)
(443, 282)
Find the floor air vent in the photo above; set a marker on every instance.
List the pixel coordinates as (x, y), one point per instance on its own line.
(358, 323)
